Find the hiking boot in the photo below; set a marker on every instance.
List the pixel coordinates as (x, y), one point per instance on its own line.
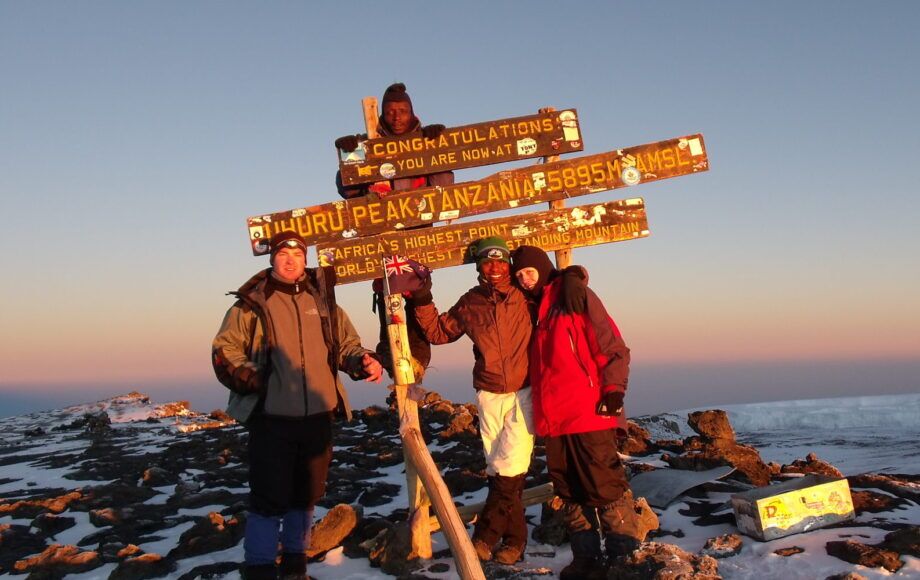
(260, 572)
(584, 568)
(293, 566)
(483, 550)
(508, 555)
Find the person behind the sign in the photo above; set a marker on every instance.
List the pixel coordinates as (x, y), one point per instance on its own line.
(579, 368)
(398, 118)
(279, 350)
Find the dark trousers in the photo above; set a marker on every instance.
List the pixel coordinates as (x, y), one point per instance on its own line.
(585, 468)
(288, 462)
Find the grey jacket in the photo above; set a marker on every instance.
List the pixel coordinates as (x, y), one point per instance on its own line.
(287, 383)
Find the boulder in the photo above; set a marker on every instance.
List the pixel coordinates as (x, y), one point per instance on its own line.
(330, 531)
(712, 425)
(811, 465)
(392, 551)
(864, 555)
(56, 561)
(655, 561)
(723, 546)
(142, 567)
(210, 534)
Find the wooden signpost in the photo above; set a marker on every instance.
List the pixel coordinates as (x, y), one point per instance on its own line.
(587, 225)
(355, 235)
(461, 147)
(363, 216)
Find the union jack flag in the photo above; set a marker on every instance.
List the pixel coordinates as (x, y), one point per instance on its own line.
(404, 275)
(396, 265)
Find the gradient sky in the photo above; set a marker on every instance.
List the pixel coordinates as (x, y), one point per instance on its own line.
(135, 138)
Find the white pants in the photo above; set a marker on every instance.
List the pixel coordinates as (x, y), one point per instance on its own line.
(506, 428)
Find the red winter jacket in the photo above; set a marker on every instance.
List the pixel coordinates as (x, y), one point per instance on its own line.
(573, 359)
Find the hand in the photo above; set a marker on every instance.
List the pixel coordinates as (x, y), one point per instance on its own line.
(348, 143)
(422, 296)
(611, 404)
(372, 367)
(248, 379)
(432, 131)
(573, 295)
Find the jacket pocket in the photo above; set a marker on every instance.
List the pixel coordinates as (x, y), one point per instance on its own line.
(578, 358)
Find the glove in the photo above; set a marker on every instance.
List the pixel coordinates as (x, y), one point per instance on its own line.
(422, 296)
(432, 131)
(348, 143)
(573, 295)
(249, 380)
(611, 404)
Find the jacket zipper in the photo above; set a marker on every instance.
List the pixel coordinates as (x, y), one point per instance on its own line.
(578, 358)
(303, 363)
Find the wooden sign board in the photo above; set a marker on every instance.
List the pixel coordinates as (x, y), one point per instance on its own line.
(440, 247)
(460, 147)
(368, 215)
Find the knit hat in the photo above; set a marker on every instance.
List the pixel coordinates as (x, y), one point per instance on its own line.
(396, 93)
(493, 248)
(532, 257)
(287, 240)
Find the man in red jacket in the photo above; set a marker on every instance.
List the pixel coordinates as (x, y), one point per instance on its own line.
(579, 367)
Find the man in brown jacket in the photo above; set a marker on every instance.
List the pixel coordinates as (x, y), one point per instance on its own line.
(496, 316)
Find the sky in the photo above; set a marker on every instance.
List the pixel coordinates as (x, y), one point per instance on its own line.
(135, 139)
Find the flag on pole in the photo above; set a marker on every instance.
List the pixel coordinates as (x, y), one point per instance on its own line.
(404, 275)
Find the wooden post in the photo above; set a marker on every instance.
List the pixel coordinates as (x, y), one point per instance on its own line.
(461, 547)
(415, 453)
(563, 257)
(404, 376)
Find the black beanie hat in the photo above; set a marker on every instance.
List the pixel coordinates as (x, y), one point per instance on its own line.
(532, 257)
(396, 93)
(286, 240)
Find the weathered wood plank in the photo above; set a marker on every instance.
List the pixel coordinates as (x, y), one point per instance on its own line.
(358, 217)
(444, 246)
(461, 147)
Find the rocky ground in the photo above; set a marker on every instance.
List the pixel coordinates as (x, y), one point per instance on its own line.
(127, 489)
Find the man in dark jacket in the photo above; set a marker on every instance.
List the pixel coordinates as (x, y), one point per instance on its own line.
(496, 317)
(397, 118)
(579, 368)
(279, 350)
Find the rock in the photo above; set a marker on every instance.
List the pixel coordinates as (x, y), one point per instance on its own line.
(745, 459)
(56, 561)
(711, 425)
(210, 534)
(868, 501)
(647, 519)
(637, 442)
(654, 561)
(905, 541)
(330, 531)
(141, 567)
(32, 507)
(104, 517)
(97, 423)
(551, 530)
(17, 542)
(790, 551)
(461, 423)
(869, 556)
(847, 576)
(812, 464)
(392, 551)
(157, 476)
(378, 493)
(460, 481)
(723, 546)
(905, 486)
(220, 415)
(129, 550)
(50, 524)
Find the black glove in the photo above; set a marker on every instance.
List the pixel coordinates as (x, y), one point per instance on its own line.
(573, 295)
(432, 131)
(348, 143)
(422, 296)
(611, 404)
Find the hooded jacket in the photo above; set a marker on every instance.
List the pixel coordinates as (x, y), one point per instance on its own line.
(250, 337)
(574, 358)
(500, 328)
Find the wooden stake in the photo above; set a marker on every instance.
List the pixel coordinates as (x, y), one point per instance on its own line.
(563, 257)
